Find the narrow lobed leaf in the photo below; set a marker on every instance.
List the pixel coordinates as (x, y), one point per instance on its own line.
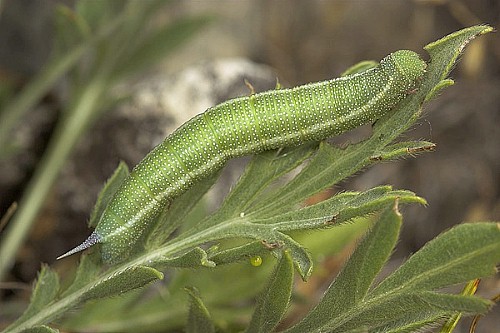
(339, 209)
(350, 287)
(439, 88)
(195, 258)
(199, 320)
(44, 292)
(87, 271)
(239, 253)
(107, 192)
(260, 172)
(410, 307)
(466, 252)
(445, 52)
(301, 258)
(273, 302)
(129, 279)
(306, 183)
(403, 149)
(426, 321)
(450, 324)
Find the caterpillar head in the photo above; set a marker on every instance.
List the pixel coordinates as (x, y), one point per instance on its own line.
(410, 67)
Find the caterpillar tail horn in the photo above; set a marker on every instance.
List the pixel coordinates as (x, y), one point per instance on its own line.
(93, 239)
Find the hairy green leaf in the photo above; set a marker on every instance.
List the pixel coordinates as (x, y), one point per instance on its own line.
(261, 171)
(273, 302)
(385, 310)
(438, 88)
(450, 324)
(466, 252)
(239, 253)
(301, 257)
(403, 149)
(339, 209)
(87, 271)
(350, 287)
(129, 279)
(195, 258)
(44, 292)
(345, 306)
(112, 184)
(199, 320)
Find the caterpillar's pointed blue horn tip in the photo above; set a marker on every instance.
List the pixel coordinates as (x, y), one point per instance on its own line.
(93, 239)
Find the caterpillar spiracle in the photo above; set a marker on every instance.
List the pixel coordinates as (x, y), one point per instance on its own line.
(243, 126)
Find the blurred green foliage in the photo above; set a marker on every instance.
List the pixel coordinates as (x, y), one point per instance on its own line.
(98, 45)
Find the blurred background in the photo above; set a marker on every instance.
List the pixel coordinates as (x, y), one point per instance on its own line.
(295, 41)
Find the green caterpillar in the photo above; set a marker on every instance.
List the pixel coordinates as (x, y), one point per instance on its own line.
(242, 126)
